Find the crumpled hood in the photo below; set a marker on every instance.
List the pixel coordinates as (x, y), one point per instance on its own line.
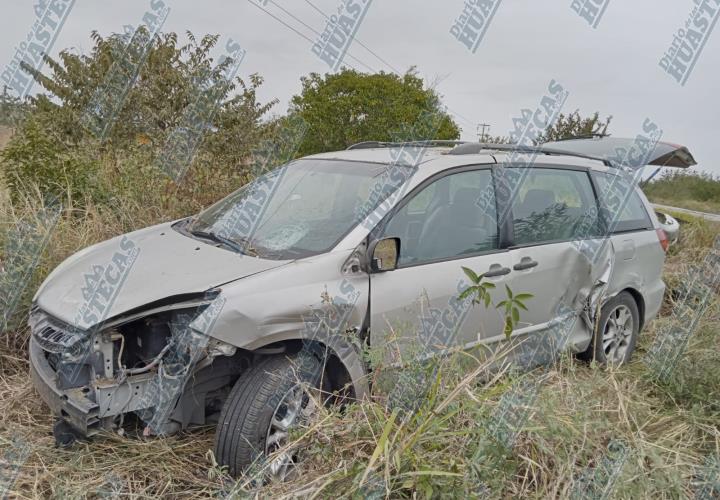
(129, 271)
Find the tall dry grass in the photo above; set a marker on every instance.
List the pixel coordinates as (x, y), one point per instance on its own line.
(367, 450)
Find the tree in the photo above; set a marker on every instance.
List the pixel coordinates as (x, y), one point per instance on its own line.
(349, 107)
(168, 81)
(574, 125)
(12, 109)
(566, 127)
(56, 149)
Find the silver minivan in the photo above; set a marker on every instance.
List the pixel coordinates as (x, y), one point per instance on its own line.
(227, 317)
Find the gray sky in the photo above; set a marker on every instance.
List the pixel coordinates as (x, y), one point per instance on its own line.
(612, 69)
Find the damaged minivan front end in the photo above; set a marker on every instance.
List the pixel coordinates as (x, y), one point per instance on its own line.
(154, 364)
(122, 328)
(159, 324)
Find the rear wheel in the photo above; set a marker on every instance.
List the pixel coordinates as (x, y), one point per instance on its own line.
(267, 402)
(619, 326)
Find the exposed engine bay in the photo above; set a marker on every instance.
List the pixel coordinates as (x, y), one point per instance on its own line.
(156, 366)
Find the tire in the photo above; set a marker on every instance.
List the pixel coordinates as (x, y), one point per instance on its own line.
(601, 348)
(242, 431)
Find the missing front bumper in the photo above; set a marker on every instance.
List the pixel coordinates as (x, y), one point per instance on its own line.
(92, 407)
(73, 405)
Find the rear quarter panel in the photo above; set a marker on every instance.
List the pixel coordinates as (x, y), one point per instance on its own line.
(639, 261)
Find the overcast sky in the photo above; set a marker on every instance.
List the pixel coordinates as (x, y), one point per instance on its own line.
(612, 69)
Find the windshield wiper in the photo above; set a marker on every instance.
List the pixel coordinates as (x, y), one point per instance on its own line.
(247, 246)
(222, 240)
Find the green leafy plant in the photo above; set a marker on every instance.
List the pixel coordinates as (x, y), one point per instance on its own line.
(478, 288)
(512, 305)
(480, 293)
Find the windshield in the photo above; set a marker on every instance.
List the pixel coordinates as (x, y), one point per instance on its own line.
(301, 209)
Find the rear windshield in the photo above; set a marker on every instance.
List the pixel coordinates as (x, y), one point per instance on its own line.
(303, 208)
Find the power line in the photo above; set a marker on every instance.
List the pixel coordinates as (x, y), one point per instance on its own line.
(316, 8)
(356, 39)
(463, 118)
(279, 20)
(301, 34)
(312, 42)
(314, 31)
(294, 17)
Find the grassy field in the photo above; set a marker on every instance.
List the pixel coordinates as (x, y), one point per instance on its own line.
(693, 191)
(668, 430)
(5, 134)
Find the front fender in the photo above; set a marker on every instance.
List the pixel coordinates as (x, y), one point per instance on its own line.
(309, 300)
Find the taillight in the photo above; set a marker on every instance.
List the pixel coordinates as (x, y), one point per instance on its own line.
(664, 241)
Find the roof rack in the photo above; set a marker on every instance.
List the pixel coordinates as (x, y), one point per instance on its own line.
(390, 144)
(470, 148)
(592, 135)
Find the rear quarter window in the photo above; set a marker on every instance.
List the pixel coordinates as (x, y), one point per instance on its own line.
(627, 215)
(553, 205)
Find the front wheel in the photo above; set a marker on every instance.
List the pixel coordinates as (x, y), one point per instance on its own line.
(266, 403)
(618, 329)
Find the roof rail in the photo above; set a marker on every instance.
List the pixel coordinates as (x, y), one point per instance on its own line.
(471, 148)
(390, 144)
(592, 135)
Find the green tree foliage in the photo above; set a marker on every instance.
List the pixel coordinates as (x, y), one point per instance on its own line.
(574, 125)
(37, 156)
(349, 107)
(567, 126)
(53, 148)
(12, 110)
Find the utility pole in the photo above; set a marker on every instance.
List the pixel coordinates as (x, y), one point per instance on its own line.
(481, 135)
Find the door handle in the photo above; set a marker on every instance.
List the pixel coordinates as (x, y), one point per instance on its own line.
(497, 270)
(525, 263)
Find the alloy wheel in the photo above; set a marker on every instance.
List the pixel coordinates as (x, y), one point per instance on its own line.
(617, 334)
(294, 410)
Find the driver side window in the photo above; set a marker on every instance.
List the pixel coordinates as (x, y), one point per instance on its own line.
(443, 220)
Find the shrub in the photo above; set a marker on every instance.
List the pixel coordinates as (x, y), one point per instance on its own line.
(37, 155)
(55, 151)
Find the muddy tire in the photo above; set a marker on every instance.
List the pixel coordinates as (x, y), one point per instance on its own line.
(258, 395)
(618, 330)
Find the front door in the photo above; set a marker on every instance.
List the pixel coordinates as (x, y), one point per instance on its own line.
(415, 308)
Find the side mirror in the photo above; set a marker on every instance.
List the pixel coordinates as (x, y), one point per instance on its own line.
(384, 254)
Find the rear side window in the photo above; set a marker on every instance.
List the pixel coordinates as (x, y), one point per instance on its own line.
(554, 205)
(620, 214)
